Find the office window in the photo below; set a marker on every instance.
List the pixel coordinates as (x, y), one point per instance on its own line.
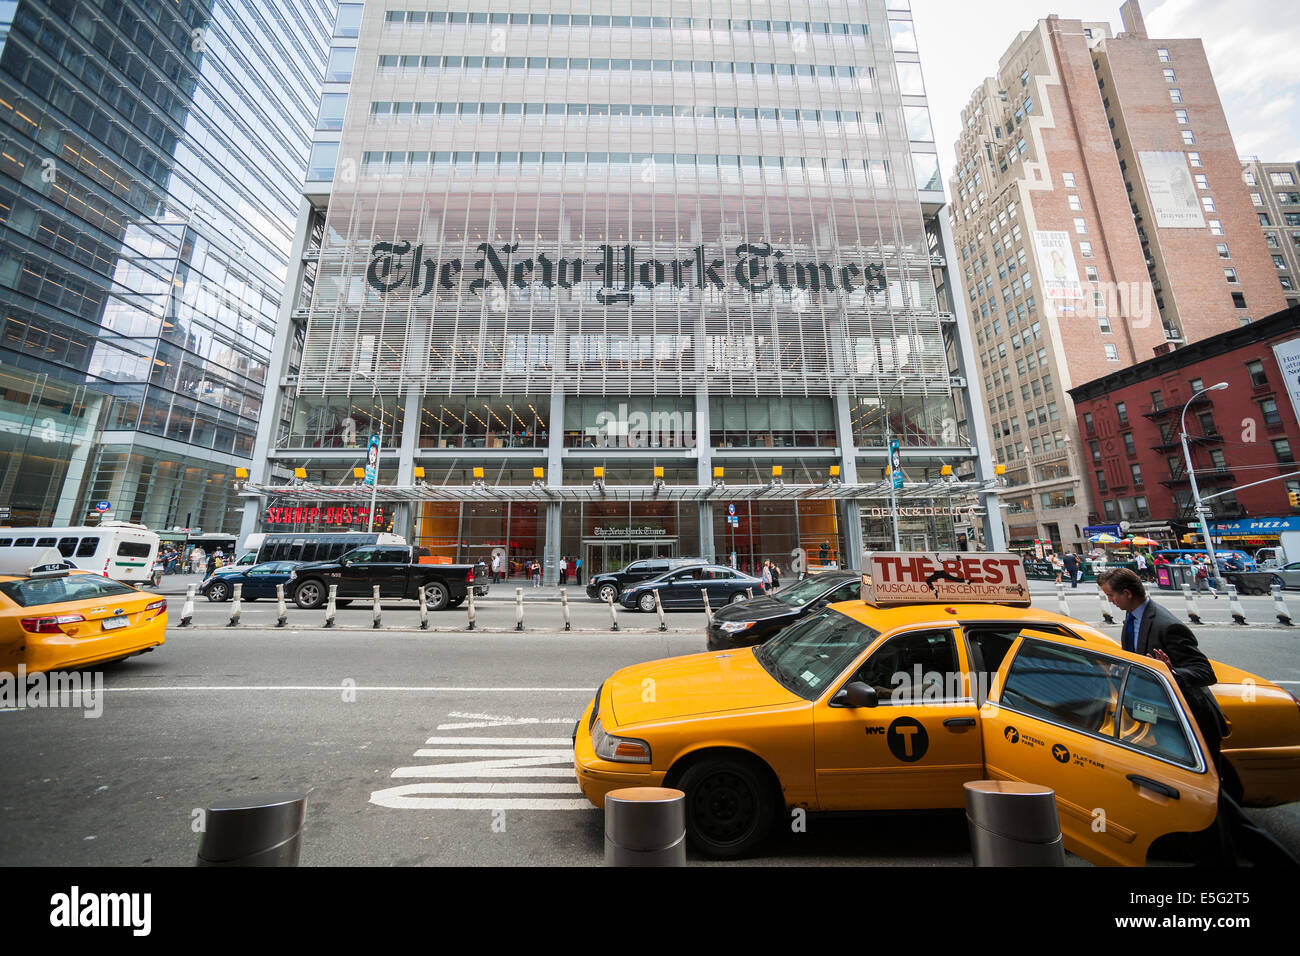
(1104, 323)
(1258, 377)
(1268, 408)
(1194, 159)
(1130, 447)
(1282, 449)
(1230, 275)
(1164, 56)
(1081, 226)
(1181, 116)
(1175, 95)
(1091, 273)
(1272, 241)
(1087, 423)
(1223, 250)
(1189, 137)
(1282, 179)
(1101, 480)
(1279, 262)
(1207, 202)
(1085, 250)
(1202, 181)
(1121, 413)
(1075, 203)
(1068, 179)
(1257, 198)
(1112, 353)
(1239, 302)
(1169, 76)
(1216, 227)
(1095, 448)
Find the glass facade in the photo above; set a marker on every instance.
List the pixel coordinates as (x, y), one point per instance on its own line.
(621, 240)
(149, 193)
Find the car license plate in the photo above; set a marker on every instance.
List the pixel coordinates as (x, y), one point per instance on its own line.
(114, 622)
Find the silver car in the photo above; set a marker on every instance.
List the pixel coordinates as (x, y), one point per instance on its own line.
(1289, 574)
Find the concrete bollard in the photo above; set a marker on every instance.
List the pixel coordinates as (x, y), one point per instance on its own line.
(708, 611)
(1193, 612)
(613, 614)
(659, 609)
(470, 610)
(262, 830)
(424, 608)
(1013, 824)
(1279, 606)
(235, 605)
(645, 826)
(374, 605)
(564, 608)
(331, 605)
(1234, 605)
(281, 608)
(187, 612)
(1062, 605)
(519, 609)
(1105, 607)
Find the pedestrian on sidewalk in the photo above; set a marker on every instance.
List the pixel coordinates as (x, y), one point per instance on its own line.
(1073, 569)
(198, 560)
(577, 571)
(564, 568)
(776, 578)
(496, 568)
(1058, 566)
(537, 573)
(1202, 578)
(767, 577)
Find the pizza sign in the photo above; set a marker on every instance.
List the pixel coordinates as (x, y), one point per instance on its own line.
(939, 577)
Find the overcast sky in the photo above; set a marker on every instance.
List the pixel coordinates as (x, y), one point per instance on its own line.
(1253, 46)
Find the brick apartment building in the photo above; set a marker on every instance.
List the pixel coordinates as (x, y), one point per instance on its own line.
(1101, 218)
(1131, 425)
(1275, 191)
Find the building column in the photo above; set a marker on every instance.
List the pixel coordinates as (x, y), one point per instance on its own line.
(704, 473)
(850, 510)
(404, 522)
(83, 445)
(555, 478)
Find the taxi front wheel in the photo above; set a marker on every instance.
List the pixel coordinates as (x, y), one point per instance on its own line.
(729, 807)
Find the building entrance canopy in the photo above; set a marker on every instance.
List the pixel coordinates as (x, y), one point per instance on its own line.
(773, 491)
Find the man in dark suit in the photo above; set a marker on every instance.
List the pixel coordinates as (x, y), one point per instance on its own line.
(1072, 568)
(1151, 630)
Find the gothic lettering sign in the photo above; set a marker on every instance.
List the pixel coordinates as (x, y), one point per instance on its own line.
(402, 267)
(922, 511)
(626, 531)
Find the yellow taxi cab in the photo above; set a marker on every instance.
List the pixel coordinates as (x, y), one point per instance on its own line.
(941, 674)
(53, 617)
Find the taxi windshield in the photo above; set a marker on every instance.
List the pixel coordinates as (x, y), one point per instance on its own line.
(807, 656)
(35, 592)
(809, 589)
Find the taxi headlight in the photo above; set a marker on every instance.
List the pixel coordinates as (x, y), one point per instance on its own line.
(618, 749)
(731, 627)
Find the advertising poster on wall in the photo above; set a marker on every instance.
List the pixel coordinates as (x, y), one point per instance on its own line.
(1173, 194)
(1056, 262)
(1288, 360)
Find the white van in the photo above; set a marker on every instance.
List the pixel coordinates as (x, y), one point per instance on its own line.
(117, 549)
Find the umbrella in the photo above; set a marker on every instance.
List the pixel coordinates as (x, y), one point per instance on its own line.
(1104, 538)
(1143, 542)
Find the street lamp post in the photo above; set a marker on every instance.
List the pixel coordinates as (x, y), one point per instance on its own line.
(1191, 474)
(889, 437)
(374, 487)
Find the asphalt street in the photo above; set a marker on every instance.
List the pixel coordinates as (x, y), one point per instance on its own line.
(396, 735)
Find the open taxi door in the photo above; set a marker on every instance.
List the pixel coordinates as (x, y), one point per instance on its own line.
(1111, 734)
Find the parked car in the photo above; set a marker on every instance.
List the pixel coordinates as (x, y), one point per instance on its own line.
(683, 588)
(259, 580)
(398, 571)
(747, 623)
(608, 586)
(1288, 575)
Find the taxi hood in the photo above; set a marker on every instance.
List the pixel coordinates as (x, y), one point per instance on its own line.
(715, 682)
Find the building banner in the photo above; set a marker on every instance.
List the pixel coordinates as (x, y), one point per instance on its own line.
(1056, 262)
(1288, 360)
(1173, 194)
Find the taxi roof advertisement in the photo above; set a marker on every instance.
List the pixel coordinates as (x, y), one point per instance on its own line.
(936, 577)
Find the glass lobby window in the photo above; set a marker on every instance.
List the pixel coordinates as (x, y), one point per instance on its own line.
(771, 422)
(337, 421)
(509, 421)
(629, 422)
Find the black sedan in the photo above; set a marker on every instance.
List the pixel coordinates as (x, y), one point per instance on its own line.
(753, 622)
(682, 588)
(259, 581)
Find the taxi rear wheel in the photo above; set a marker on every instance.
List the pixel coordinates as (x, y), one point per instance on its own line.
(729, 807)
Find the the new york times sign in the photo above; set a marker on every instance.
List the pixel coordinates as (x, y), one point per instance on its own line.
(398, 266)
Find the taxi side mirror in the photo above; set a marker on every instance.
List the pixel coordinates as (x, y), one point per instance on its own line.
(856, 694)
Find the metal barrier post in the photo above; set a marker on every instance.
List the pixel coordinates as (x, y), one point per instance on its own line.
(235, 606)
(331, 607)
(424, 609)
(470, 610)
(564, 607)
(1013, 824)
(645, 826)
(750, 592)
(280, 606)
(1062, 605)
(613, 613)
(1279, 606)
(187, 613)
(1234, 605)
(374, 604)
(708, 611)
(519, 609)
(1193, 612)
(659, 609)
(1105, 607)
(262, 830)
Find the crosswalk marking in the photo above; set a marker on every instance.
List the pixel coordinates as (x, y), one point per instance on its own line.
(504, 778)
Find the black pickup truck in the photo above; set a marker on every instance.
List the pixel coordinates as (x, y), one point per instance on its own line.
(397, 571)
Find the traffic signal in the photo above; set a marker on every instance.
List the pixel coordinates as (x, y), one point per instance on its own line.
(1293, 497)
